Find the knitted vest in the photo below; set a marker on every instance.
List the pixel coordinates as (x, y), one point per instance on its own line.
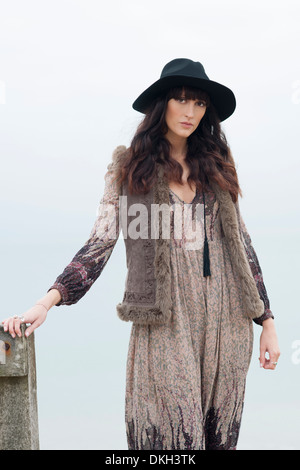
(147, 297)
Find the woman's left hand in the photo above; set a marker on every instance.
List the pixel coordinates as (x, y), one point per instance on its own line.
(269, 344)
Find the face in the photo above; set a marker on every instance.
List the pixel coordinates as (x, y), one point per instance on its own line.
(183, 116)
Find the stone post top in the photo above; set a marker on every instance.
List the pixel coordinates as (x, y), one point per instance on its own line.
(14, 354)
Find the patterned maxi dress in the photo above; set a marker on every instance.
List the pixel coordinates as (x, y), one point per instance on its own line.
(185, 381)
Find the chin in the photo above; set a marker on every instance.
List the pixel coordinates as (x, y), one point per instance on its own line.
(183, 132)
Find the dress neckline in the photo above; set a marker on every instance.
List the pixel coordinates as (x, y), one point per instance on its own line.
(184, 202)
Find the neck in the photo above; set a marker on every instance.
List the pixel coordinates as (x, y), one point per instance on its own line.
(178, 147)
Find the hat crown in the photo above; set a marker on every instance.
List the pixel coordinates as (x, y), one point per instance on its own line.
(185, 67)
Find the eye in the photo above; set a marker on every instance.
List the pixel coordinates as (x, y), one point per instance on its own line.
(181, 100)
(201, 103)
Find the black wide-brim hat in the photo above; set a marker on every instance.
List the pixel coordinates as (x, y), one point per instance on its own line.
(185, 72)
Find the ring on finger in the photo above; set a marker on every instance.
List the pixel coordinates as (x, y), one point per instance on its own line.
(21, 318)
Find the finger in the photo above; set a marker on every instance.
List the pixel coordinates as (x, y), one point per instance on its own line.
(11, 327)
(31, 328)
(262, 357)
(273, 360)
(268, 364)
(18, 327)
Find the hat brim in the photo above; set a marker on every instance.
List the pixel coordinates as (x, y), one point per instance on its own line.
(222, 97)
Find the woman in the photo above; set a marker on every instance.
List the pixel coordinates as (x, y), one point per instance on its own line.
(192, 298)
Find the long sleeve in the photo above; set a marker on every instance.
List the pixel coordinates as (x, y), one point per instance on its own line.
(255, 268)
(88, 263)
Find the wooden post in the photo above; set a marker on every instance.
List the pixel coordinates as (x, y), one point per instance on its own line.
(18, 393)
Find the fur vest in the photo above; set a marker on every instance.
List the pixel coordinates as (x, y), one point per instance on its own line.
(147, 297)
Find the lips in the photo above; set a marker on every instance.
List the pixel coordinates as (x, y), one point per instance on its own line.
(186, 124)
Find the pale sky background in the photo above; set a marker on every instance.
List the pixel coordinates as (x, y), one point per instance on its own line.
(69, 72)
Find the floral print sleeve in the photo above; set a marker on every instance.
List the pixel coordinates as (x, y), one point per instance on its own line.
(87, 265)
(255, 268)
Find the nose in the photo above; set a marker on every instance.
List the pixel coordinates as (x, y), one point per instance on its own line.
(189, 109)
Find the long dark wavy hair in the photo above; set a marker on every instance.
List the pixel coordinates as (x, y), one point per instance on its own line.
(208, 154)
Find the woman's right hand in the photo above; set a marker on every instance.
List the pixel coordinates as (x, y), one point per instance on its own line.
(36, 315)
